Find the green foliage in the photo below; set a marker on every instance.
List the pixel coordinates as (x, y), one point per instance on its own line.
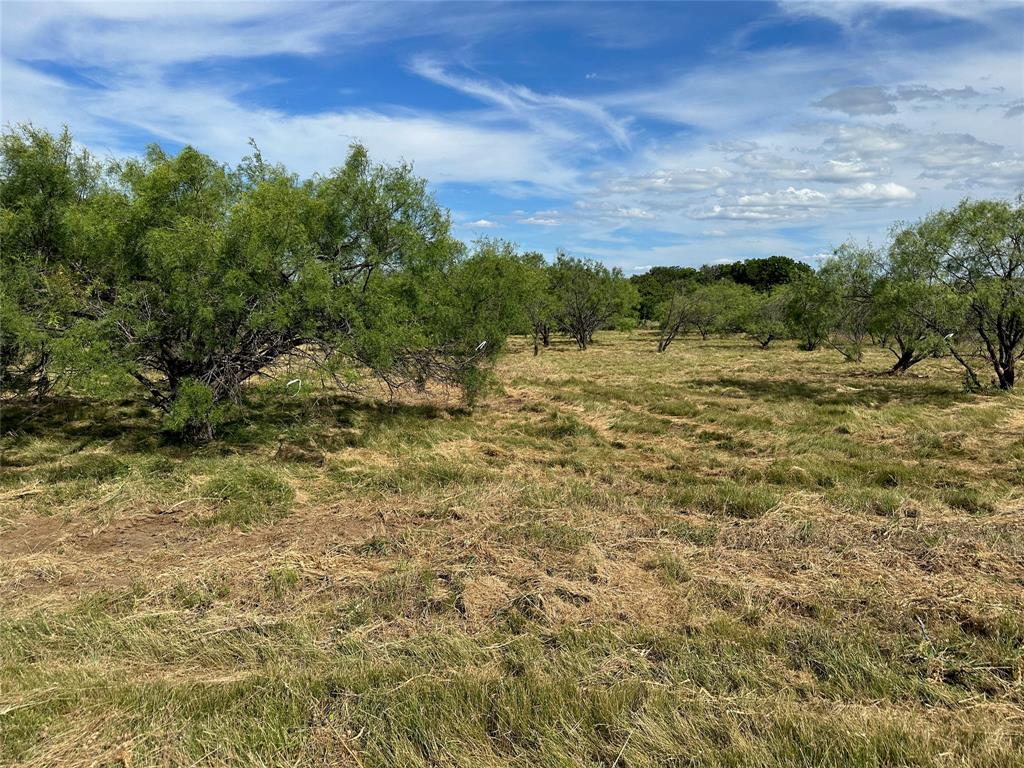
(589, 296)
(808, 311)
(847, 283)
(966, 269)
(713, 308)
(896, 324)
(763, 316)
(194, 412)
(191, 277)
(657, 286)
(43, 179)
(760, 274)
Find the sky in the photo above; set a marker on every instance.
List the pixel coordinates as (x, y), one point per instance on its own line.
(634, 133)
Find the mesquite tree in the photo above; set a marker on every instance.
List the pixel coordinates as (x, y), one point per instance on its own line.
(846, 283)
(189, 277)
(897, 327)
(539, 301)
(717, 307)
(587, 296)
(763, 317)
(808, 315)
(968, 263)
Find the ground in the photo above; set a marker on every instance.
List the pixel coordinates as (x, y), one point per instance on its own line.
(717, 556)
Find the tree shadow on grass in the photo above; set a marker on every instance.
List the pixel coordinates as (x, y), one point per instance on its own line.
(873, 392)
(74, 424)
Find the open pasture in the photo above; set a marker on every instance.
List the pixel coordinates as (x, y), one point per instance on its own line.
(716, 556)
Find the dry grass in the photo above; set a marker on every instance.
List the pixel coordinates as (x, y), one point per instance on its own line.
(715, 556)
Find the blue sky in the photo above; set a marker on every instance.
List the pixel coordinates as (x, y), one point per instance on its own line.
(638, 134)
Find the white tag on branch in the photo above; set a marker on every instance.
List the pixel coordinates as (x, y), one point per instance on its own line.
(294, 381)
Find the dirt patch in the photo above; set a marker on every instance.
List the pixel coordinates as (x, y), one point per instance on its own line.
(138, 533)
(32, 536)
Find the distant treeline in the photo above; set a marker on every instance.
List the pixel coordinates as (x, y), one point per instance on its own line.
(179, 279)
(657, 285)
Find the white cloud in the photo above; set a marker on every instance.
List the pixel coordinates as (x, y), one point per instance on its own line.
(876, 193)
(481, 224)
(667, 180)
(635, 213)
(792, 197)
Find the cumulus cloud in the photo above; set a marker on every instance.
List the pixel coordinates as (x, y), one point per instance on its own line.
(543, 219)
(667, 180)
(868, 192)
(793, 204)
(801, 198)
(833, 170)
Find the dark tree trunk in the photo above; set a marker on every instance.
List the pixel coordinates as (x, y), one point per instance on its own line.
(197, 432)
(905, 360)
(1005, 375)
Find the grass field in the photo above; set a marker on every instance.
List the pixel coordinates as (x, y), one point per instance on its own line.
(719, 556)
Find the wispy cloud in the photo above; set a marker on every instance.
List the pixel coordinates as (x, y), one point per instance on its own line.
(545, 112)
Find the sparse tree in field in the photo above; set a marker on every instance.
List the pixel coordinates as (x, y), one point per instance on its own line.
(898, 327)
(587, 296)
(968, 263)
(657, 286)
(847, 281)
(676, 319)
(808, 314)
(702, 309)
(204, 278)
(494, 291)
(712, 308)
(763, 317)
(539, 301)
(690, 307)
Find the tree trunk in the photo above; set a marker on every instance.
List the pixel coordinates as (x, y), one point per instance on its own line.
(198, 432)
(1005, 375)
(905, 360)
